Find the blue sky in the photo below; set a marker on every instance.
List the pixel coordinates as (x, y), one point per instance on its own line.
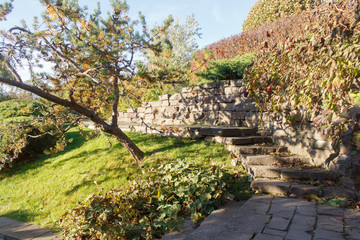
(217, 19)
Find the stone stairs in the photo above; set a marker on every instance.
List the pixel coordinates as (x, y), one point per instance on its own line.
(274, 170)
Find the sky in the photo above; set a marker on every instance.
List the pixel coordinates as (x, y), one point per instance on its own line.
(217, 19)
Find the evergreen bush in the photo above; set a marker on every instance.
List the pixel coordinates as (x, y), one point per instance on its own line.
(225, 69)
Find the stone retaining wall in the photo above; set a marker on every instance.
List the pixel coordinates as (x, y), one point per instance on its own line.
(216, 103)
(224, 104)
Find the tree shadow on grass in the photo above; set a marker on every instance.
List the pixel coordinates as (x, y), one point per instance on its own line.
(40, 160)
(22, 215)
(173, 146)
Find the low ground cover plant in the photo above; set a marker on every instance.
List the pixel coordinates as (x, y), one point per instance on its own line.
(156, 204)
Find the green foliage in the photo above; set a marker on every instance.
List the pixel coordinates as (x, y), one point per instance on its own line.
(168, 59)
(226, 69)
(155, 205)
(21, 135)
(265, 11)
(166, 64)
(13, 110)
(5, 8)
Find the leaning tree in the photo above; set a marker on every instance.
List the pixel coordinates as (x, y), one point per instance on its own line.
(78, 60)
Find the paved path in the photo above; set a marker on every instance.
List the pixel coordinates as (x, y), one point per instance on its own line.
(265, 217)
(15, 230)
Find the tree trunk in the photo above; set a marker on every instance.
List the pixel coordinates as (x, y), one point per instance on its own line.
(127, 143)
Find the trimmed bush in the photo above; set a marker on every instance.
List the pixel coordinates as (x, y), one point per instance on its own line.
(265, 11)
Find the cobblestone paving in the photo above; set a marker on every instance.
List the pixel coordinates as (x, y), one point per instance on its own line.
(265, 217)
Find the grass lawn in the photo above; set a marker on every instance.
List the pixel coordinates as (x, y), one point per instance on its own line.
(43, 189)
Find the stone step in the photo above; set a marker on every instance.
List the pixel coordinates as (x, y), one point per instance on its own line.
(256, 149)
(280, 187)
(260, 171)
(239, 140)
(225, 131)
(270, 160)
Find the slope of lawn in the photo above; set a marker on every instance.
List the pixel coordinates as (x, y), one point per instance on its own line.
(43, 189)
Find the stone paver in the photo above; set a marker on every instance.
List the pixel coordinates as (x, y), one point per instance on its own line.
(15, 230)
(265, 217)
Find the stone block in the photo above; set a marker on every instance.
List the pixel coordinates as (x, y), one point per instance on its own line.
(195, 107)
(164, 97)
(224, 99)
(148, 110)
(239, 115)
(271, 186)
(149, 117)
(236, 83)
(165, 103)
(227, 106)
(319, 144)
(197, 88)
(301, 228)
(329, 210)
(352, 223)
(302, 190)
(242, 107)
(155, 104)
(18, 230)
(224, 83)
(321, 234)
(294, 174)
(210, 107)
(121, 115)
(274, 232)
(333, 192)
(233, 90)
(306, 208)
(259, 171)
(188, 96)
(175, 97)
(210, 85)
(263, 236)
(186, 90)
(212, 115)
(225, 117)
(171, 110)
(279, 223)
(321, 174)
(330, 223)
(174, 103)
(130, 115)
(140, 110)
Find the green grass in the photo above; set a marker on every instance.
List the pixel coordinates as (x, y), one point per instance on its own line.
(43, 189)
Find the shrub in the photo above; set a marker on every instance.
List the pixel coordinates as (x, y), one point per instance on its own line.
(226, 69)
(18, 130)
(155, 205)
(265, 11)
(318, 71)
